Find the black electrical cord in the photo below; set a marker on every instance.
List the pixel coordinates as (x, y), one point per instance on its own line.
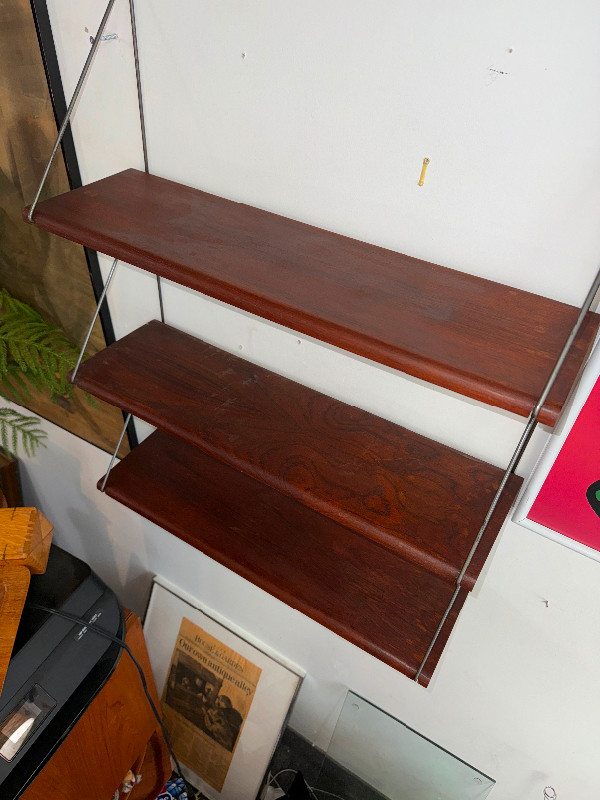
(100, 631)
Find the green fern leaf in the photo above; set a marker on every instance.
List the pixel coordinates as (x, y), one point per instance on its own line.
(4, 435)
(3, 356)
(15, 427)
(33, 355)
(39, 350)
(14, 386)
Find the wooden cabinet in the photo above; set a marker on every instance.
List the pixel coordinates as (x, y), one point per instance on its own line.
(117, 732)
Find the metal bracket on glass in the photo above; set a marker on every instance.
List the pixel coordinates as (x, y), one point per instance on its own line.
(516, 457)
(76, 93)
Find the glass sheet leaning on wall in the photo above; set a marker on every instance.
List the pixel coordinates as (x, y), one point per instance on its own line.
(399, 762)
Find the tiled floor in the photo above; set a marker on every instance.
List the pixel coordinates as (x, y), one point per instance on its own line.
(296, 753)
(293, 754)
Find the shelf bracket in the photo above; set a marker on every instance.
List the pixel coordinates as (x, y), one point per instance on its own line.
(94, 318)
(114, 455)
(516, 457)
(76, 93)
(138, 81)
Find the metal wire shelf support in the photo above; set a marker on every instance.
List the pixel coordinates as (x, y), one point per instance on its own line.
(76, 93)
(94, 318)
(138, 81)
(63, 127)
(114, 455)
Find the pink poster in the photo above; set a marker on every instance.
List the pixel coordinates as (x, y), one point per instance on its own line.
(569, 500)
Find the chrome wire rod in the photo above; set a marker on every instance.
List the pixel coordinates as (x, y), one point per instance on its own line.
(516, 457)
(160, 298)
(114, 455)
(94, 318)
(76, 93)
(138, 81)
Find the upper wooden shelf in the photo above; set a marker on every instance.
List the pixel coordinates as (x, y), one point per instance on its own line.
(414, 496)
(470, 335)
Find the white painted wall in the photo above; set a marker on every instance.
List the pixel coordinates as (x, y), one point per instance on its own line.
(327, 119)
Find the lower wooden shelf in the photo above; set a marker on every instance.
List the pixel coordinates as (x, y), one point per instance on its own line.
(360, 590)
(417, 497)
(357, 522)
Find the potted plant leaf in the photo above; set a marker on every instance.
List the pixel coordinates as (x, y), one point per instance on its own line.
(34, 356)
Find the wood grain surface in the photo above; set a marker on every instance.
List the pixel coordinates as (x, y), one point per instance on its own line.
(14, 583)
(473, 336)
(358, 589)
(409, 493)
(117, 727)
(25, 539)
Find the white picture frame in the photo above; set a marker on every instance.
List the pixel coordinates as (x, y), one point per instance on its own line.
(168, 613)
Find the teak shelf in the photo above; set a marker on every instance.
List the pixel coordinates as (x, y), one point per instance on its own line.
(355, 521)
(410, 494)
(366, 594)
(479, 338)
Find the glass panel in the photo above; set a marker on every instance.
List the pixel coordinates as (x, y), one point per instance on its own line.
(397, 761)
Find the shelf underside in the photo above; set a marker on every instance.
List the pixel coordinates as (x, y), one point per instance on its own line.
(416, 497)
(361, 591)
(473, 336)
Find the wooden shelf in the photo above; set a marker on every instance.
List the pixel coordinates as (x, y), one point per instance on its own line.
(358, 523)
(421, 499)
(473, 336)
(361, 591)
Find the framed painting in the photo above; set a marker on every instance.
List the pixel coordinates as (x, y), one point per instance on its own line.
(562, 498)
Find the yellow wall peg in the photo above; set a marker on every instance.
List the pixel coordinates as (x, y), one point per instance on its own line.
(423, 171)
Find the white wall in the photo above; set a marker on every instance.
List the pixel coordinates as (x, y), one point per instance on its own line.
(327, 119)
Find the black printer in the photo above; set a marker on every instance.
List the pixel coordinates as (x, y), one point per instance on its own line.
(56, 668)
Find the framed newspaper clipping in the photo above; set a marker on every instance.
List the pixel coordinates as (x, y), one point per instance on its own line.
(224, 700)
(562, 497)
